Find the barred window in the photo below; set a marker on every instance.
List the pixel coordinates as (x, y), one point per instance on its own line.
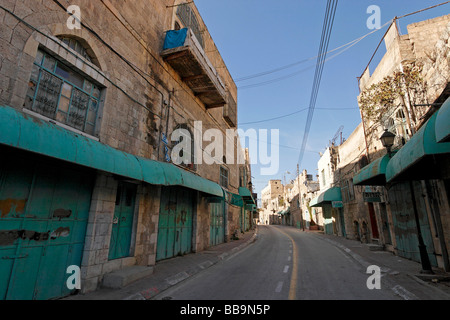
(189, 20)
(58, 92)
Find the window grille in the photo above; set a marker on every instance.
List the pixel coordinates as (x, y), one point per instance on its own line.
(189, 20)
(62, 94)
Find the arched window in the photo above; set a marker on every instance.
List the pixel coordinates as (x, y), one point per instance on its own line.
(61, 92)
(77, 46)
(186, 155)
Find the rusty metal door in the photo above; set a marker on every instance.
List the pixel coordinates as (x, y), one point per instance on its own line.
(44, 209)
(175, 222)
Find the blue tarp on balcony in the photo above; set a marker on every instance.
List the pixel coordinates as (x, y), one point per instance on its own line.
(175, 38)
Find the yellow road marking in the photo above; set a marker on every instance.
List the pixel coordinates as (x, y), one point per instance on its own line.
(293, 285)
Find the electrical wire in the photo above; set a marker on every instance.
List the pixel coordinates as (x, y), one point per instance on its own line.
(263, 73)
(293, 113)
(323, 48)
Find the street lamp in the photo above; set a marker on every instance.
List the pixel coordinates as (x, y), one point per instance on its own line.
(387, 139)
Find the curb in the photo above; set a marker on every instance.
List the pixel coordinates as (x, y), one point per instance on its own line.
(240, 247)
(150, 293)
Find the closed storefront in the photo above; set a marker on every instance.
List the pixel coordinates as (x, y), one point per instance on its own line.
(175, 222)
(44, 209)
(406, 233)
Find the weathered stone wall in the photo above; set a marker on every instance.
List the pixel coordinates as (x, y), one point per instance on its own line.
(436, 63)
(138, 90)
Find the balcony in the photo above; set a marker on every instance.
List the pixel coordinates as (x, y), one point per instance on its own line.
(184, 54)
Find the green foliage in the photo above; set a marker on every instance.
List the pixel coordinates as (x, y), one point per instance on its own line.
(407, 85)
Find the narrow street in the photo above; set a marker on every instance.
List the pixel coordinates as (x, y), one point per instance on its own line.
(152, 150)
(263, 271)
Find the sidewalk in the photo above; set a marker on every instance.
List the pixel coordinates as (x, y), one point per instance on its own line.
(401, 275)
(169, 272)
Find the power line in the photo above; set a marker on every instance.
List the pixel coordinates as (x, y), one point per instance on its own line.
(324, 42)
(293, 113)
(348, 46)
(425, 9)
(263, 73)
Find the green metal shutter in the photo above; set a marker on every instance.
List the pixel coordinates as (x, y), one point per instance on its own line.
(175, 222)
(122, 227)
(217, 223)
(405, 225)
(44, 209)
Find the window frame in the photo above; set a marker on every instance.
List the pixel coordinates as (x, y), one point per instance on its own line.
(94, 96)
(224, 178)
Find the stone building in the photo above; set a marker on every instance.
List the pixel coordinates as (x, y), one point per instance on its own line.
(329, 196)
(410, 180)
(272, 202)
(95, 104)
(304, 189)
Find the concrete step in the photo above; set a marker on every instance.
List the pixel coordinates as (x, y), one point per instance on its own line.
(375, 247)
(121, 278)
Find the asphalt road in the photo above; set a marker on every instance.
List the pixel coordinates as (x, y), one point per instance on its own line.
(283, 264)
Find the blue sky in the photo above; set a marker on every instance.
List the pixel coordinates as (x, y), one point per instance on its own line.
(255, 36)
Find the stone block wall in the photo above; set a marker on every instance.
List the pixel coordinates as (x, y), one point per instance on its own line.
(138, 88)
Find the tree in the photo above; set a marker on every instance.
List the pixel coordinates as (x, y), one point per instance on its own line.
(404, 88)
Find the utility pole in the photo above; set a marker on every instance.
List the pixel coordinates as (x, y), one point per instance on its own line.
(302, 223)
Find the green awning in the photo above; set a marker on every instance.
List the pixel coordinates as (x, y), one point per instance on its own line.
(373, 174)
(28, 133)
(327, 197)
(234, 199)
(246, 195)
(422, 157)
(250, 207)
(442, 126)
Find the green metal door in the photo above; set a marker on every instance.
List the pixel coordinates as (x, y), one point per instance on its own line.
(217, 224)
(175, 222)
(327, 221)
(404, 222)
(44, 209)
(122, 227)
(342, 221)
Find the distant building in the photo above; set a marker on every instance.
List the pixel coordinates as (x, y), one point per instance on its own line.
(272, 202)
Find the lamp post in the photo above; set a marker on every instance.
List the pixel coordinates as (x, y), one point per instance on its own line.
(387, 139)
